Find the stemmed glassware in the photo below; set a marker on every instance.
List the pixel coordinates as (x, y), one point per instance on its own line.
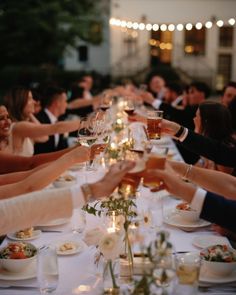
(87, 135)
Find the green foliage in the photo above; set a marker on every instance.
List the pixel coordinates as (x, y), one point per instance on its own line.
(36, 32)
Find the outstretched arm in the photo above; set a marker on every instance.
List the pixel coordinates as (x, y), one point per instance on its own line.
(43, 177)
(211, 180)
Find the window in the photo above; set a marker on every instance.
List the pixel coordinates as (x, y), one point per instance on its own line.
(195, 41)
(226, 37)
(83, 53)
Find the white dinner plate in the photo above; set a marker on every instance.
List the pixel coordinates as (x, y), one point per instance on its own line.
(28, 273)
(173, 218)
(55, 222)
(209, 240)
(207, 277)
(79, 247)
(35, 234)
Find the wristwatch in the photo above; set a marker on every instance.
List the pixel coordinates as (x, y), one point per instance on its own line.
(87, 192)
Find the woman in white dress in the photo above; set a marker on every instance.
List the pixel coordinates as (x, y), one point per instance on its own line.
(26, 129)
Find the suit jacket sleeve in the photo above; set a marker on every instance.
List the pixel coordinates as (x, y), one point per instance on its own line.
(35, 208)
(212, 149)
(219, 210)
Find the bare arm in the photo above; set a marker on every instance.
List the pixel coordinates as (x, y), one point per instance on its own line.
(211, 180)
(43, 177)
(33, 130)
(79, 103)
(13, 163)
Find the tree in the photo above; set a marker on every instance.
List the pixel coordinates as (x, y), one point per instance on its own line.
(36, 32)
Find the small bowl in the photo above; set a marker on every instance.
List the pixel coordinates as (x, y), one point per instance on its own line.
(187, 214)
(218, 268)
(65, 181)
(18, 265)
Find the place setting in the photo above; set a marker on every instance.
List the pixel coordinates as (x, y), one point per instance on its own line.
(183, 217)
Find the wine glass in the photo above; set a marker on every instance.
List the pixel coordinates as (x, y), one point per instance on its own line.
(87, 136)
(106, 101)
(129, 108)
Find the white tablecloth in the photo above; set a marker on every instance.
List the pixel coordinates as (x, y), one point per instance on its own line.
(79, 269)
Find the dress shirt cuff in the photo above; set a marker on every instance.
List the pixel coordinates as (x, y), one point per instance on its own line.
(156, 104)
(183, 135)
(198, 200)
(77, 197)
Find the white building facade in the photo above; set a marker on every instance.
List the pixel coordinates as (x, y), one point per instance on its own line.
(203, 53)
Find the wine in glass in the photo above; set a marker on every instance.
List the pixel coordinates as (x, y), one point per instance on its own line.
(129, 108)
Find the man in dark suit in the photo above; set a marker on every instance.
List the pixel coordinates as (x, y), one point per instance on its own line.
(54, 104)
(198, 92)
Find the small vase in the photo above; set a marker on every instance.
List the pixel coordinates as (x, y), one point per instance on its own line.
(110, 277)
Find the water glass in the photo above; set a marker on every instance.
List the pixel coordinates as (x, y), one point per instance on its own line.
(78, 221)
(47, 269)
(187, 271)
(156, 210)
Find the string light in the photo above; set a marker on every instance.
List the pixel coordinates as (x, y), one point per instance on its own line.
(231, 21)
(198, 26)
(189, 27)
(149, 27)
(208, 25)
(220, 23)
(155, 27)
(163, 27)
(180, 27)
(171, 27)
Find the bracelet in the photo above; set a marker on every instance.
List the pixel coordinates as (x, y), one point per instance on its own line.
(179, 132)
(188, 170)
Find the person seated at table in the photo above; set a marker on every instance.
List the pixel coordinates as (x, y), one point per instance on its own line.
(209, 148)
(13, 184)
(26, 129)
(232, 110)
(43, 206)
(198, 92)
(211, 206)
(156, 85)
(213, 120)
(82, 102)
(13, 163)
(229, 93)
(173, 95)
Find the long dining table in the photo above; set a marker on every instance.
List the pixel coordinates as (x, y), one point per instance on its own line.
(78, 273)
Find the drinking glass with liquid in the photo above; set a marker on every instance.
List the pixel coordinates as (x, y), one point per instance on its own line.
(47, 269)
(154, 119)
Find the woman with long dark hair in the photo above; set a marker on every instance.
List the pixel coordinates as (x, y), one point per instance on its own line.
(214, 120)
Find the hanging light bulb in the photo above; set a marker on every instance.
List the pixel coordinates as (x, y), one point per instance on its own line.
(155, 27)
(171, 27)
(198, 26)
(220, 23)
(180, 27)
(189, 27)
(208, 24)
(129, 25)
(163, 27)
(135, 26)
(148, 27)
(231, 21)
(141, 26)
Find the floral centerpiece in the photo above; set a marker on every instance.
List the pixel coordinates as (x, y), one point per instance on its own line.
(122, 211)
